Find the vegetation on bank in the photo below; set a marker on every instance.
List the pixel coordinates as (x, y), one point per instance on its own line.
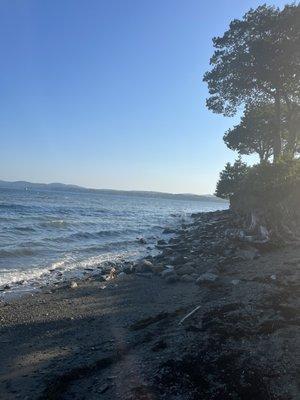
(256, 70)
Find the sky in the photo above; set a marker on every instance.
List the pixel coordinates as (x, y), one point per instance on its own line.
(109, 93)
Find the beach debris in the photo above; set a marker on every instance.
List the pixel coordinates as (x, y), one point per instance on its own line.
(189, 315)
(235, 282)
(103, 388)
(73, 285)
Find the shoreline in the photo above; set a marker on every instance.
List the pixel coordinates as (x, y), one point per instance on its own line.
(58, 277)
(207, 317)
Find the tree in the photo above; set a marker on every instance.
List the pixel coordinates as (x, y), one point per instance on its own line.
(258, 60)
(254, 134)
(231, 178)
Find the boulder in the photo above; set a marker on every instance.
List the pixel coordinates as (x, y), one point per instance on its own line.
(144, 266)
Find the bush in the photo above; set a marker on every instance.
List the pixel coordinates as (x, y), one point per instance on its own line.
(267, 184)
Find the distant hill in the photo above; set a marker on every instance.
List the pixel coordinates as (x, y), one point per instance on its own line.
(23, 185)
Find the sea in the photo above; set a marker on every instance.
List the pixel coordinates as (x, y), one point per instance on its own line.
(49, 236)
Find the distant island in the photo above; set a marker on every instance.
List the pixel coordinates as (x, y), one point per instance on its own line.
(24, 185)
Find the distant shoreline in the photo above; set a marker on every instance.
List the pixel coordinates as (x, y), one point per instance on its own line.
(24, 185)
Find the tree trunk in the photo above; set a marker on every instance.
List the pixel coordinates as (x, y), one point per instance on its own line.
(277, 138)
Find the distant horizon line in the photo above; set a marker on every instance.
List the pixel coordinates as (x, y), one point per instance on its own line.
(74, 186)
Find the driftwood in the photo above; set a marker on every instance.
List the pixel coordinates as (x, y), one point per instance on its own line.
(189, 315)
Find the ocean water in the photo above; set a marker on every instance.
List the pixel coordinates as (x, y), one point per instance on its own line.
(47, 236)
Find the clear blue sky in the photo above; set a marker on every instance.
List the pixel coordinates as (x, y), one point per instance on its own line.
(109, 93)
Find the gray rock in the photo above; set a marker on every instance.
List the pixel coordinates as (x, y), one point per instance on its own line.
(142, 241)
(168, 272)
(144, 266)
(121, 275)
(157, 269)
(128, 269)
(167, 231)
(171, 278)
(208, 277)
(179, 260)
(187, 278)
(186, 270)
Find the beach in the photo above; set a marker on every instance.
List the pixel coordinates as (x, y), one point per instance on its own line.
(208, 317)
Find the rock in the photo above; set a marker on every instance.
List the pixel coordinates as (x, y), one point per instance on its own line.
(187, 278)
(208, 277)
(168, 272)
(121, 275)
(145, 274)
(142, 240)
(128, 269)
(235, 282)
(169, 267)
(161, 242)
(144, 266)
(171, 278)
(273, 277)
(112, 273)
(100, 278)
(157, 269)
(73, 285)
(168, 231)
(185, 270)
(179, 260)
(6, 287)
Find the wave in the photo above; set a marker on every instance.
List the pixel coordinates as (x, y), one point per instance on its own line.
(59, 271)
(102, 234)
(55, 223)
(19, 252)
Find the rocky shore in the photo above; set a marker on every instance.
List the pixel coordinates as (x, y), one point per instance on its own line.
(215, 315)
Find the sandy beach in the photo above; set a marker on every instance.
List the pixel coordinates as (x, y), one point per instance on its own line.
(223, 323)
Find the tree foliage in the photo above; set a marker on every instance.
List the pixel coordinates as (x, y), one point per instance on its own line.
(254, 134)
(231, 178)
(257, 60)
